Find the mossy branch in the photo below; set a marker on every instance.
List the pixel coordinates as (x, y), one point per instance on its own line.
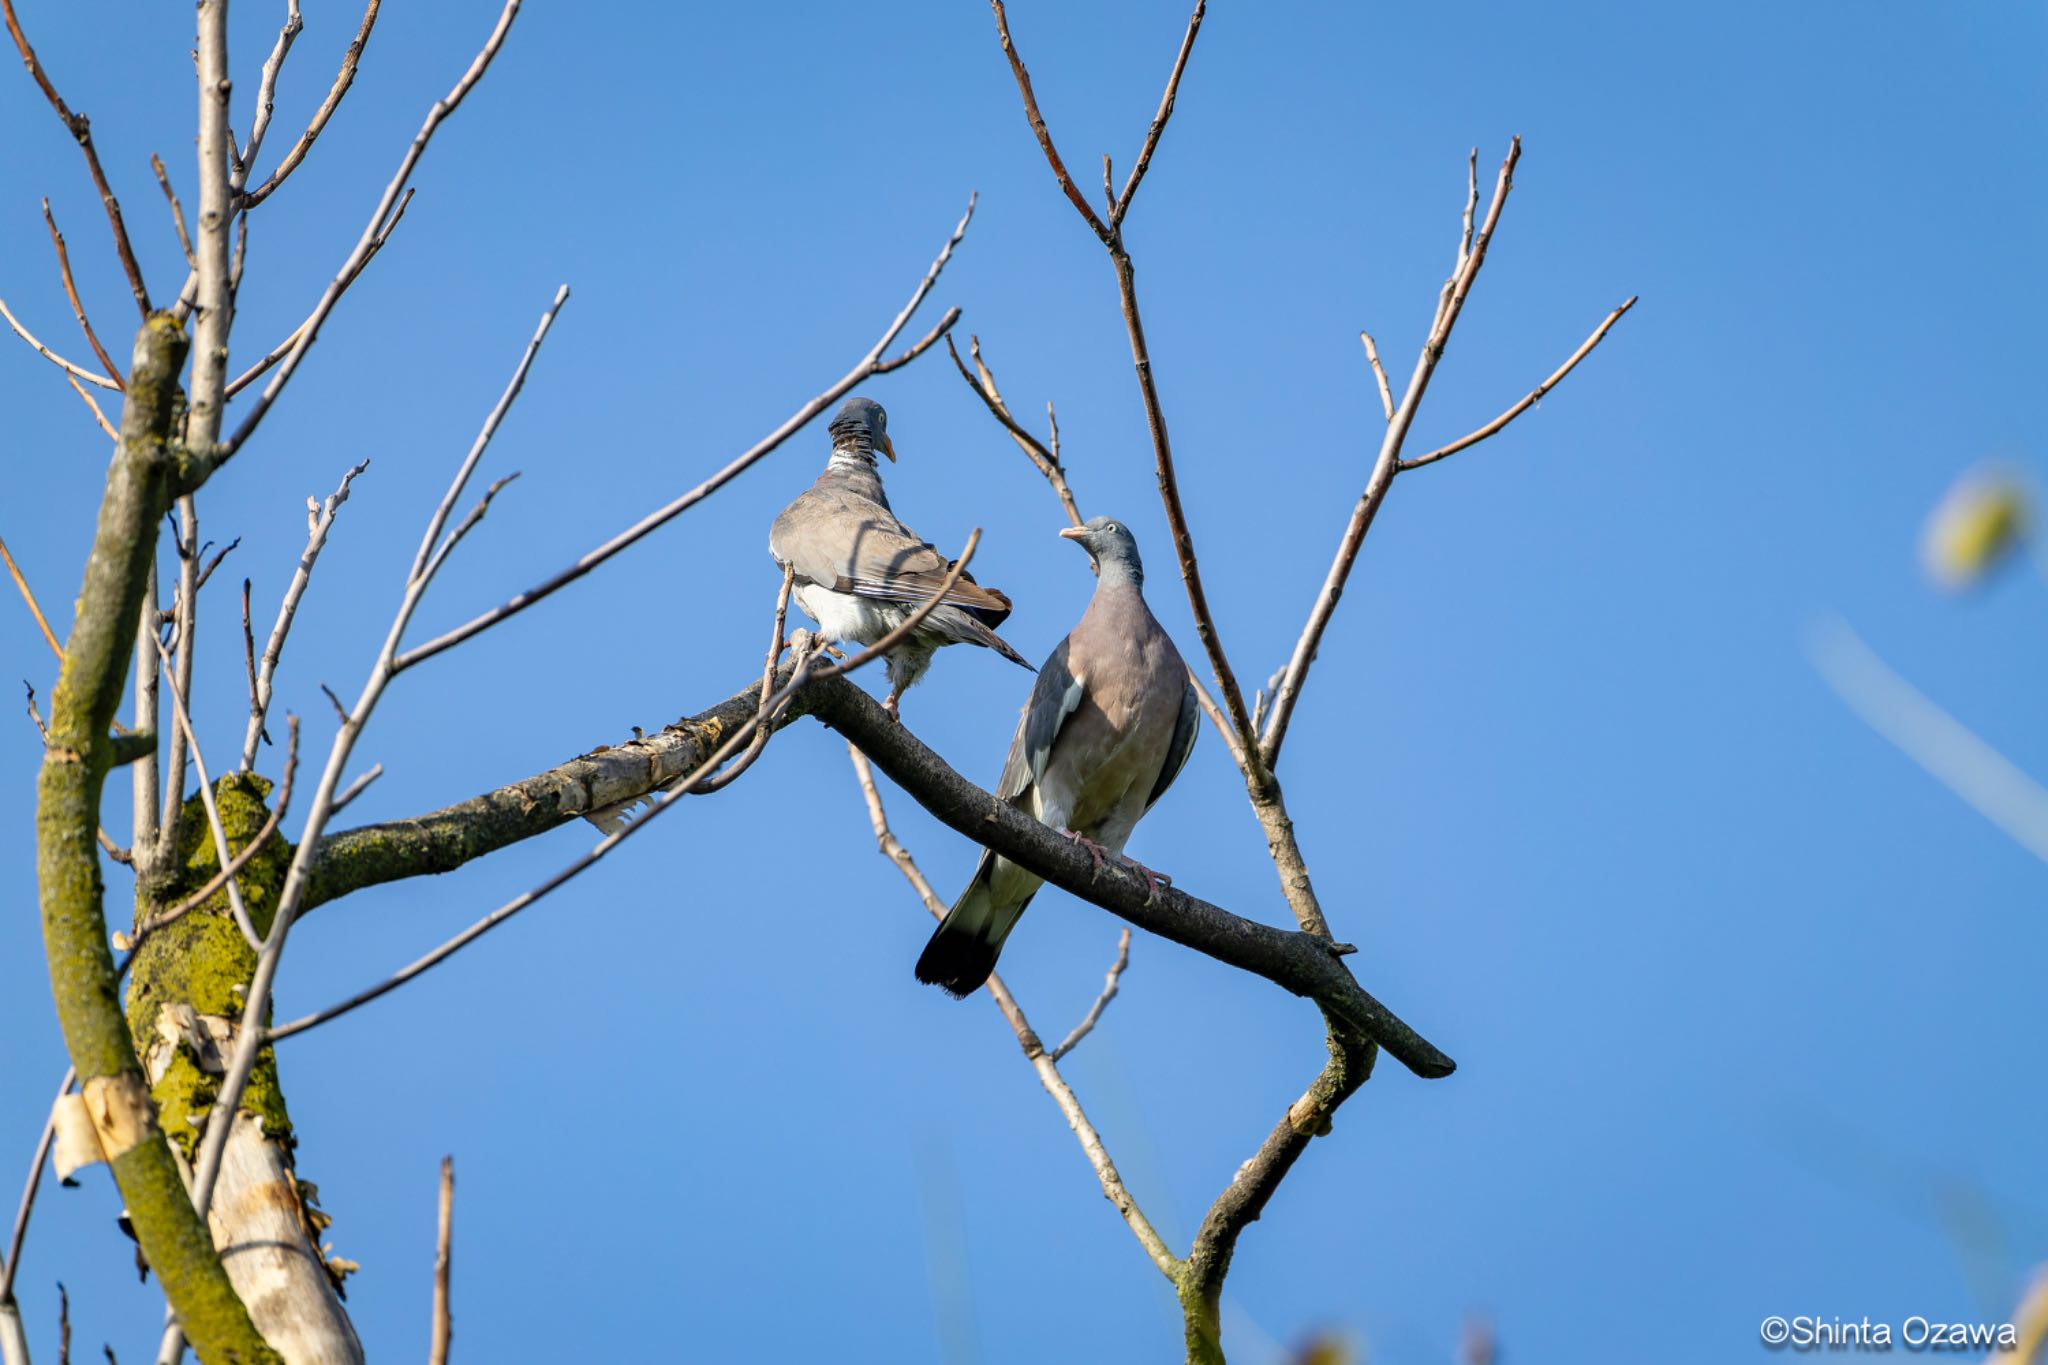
(140, 486)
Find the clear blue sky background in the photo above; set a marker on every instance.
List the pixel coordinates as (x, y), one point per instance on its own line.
(1747, 1007)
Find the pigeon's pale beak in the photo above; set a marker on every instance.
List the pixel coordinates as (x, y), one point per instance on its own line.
(1073, 533)
(888, 447)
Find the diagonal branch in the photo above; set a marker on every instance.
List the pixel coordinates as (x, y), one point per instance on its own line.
(1041, 132)
(82, 978)
(77, 305)
(366, 244)
(72, 368)
(1533, 397)
(342, 80)
(1046, 1064)
(868, 366)
(80, 128)
(763, 717)
(1141, 361)
(1144, 162)
(1450, 305)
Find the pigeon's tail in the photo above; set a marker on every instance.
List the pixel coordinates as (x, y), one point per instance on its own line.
(963, 950)
(982, 635)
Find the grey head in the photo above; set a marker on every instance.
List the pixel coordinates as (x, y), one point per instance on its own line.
(860, 425)
(1111, 546)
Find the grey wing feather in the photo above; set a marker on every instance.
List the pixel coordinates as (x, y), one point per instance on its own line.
(1054, 697)
(1186, 728)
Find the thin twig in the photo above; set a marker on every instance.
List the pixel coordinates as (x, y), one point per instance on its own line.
(266, 93)
(358, 787)
(1385, 467)
(12, 1263)
(342, 80)
(439, 520)
(1379, 374)
(1045, 460)
(29, 597)
(1044, 1063)
(163, 179)
(1534, 396)
(1144, 162)
(1111, 236)
(1041, 132)
(868, 366)
(444, 1238)
(235, 865)
(366, 243)
(222, 848)
(261, 679)
(1109, 989)
(80, 128)
(185, 613)
(71, 293)
(764, 715)
(100, 418)
(92, 377)
(284, 348)
(214, 563)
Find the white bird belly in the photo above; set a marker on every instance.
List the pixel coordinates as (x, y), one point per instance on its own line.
(844, 616)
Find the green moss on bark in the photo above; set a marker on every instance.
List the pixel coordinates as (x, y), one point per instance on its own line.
(203, 960)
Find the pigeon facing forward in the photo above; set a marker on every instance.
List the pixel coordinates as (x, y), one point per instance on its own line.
(860, 572)
(1110, 724)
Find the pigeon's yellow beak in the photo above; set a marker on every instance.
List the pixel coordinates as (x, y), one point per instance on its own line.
(888, 447)
(1073, 532)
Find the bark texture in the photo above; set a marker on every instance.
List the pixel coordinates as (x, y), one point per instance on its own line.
(142, 480)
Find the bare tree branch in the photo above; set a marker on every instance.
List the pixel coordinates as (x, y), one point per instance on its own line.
(263, 677)
(99, 418)
(1534, 396)
(163, 179)
(1452, 302)
(77, 306)
(366, 244)
(1144, 162)
(1111, 235)
(444, 1237)
(764, 716)
(1379, 374)
(220, 834)
(284, 348)
(266, 94)
(230, 869)
(868, 366)
(342, 80)
(80, 128)
(10, 1265)
(21, 584)
(1110, 984)
(1044, 1063)
(82, 978)
(69, 367)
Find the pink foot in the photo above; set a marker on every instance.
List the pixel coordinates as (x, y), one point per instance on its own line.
(1095, 851)
(889, 704)
(1153, 880)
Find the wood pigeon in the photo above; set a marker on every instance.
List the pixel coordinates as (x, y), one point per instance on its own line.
(1110, 724)
(860, 571)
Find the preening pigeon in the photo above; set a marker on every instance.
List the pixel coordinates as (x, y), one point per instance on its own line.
(1110, 724)
(860, 571)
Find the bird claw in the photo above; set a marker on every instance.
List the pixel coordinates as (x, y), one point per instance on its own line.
(1153, 880)
(1095, 851)
(889, 704)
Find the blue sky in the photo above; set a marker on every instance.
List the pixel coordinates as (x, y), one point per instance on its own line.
(1745, 1004)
